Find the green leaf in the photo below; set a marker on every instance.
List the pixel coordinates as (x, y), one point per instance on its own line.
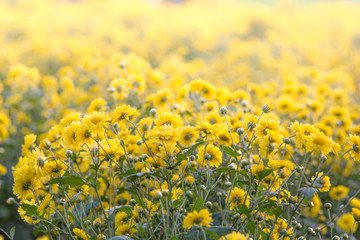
(128, 172)
(229, 151)
(244, 173)
(177, 203)
(72, 181)
(29, 209)
(251, 226)
(308, 192)
(211, 234)
(264, 173)
(242, 208)
(174, 238)
(12, 232)
(225, 169)
(199, 204)
(127, 210)
(141, 174)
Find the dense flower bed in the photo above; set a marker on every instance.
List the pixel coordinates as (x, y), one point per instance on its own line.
(132, 127)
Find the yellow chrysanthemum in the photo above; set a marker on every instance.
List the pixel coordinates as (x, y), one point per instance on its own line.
(168, 118)
(235, 236)
(339, 192)
(322, 182)
(354, 144)
(347, 223)
(209, 154)
(237, 197)
(201, 218)
(122, 112)
(80, 234)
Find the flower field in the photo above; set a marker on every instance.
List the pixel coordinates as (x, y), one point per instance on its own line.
(195, 119)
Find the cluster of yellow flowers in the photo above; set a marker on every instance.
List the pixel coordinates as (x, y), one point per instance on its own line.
(189, 128)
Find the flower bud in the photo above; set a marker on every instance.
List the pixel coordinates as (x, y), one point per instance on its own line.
(189, 193)
(207, 156)
(122, 64)
(209, 204)
(223, 110)
(240, 131)
(111, 89)
(228, 184)
(133, 202)
(165, 192)
(327, 205)
(153, 112)
(286, 140)
(69, 153)
(10, 201)
(323, 158)
(267, 108)
(345, 236)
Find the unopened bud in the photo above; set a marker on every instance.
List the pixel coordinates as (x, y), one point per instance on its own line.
(223, 110)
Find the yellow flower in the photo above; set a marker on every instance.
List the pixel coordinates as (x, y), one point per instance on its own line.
(266, 124)
(126, 228)
(319, 142)
(69, 134)
(137, 83)
(315, 209)
(111, 148)
(98, 105)
(165, 133)
(28, 145)
(55, 168)
(204, 128)
(213, 118)
(281, 230)
(202, 88)
(38, 160)
(302, 132)
(237, 197)
(356, 214)
(44, 204)
(347, 223)
(187, 136)
(257, 168)
(96, 122)
(168, 118)
(72, 117)
(209, 154)
(355, 202)
(338, 192)
(43, 237)
(80, 234)
(25, 181)
(354, 144)
(322, 182)
(120, 218)
(235, 236)
(285, 165)
(3, 170)
(202, 218)
(122, 112)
